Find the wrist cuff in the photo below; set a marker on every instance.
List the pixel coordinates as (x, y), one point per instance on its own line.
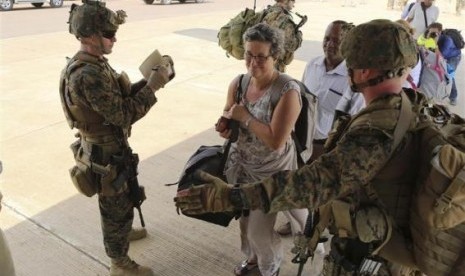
(249, 197)
(237, 198)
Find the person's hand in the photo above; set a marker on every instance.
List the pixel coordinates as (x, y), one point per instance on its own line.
(211, 197)
(158, 78)
(239, 112)
(222, 126)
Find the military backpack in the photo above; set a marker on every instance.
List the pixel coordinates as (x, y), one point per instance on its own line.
(437, 214)
(230, 35)
(434, 214)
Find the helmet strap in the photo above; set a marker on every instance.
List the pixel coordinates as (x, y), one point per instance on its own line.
(357, 87)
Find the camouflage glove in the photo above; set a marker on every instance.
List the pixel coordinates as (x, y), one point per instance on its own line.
(158, 78)
(214, 196)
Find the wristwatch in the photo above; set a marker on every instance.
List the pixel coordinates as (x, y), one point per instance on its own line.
(237, 198)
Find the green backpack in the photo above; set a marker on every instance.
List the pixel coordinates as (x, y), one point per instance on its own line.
(230, 35)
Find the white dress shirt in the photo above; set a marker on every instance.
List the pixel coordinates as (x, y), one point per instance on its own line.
(329, 87)
(351, 102)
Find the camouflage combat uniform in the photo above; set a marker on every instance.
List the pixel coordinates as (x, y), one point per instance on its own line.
(358, 158)
(103, 104)
(93, 88)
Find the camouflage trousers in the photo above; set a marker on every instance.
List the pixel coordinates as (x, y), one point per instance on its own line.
(117, 214)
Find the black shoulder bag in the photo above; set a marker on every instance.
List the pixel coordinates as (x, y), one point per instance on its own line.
(211, 159)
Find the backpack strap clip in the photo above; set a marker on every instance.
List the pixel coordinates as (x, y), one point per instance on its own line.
(444, 202)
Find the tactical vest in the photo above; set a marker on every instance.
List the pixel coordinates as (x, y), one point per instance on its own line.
(99, 142)
(79, 115)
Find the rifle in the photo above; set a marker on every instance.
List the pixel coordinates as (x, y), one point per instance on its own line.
(302, 241)
(129, 161)
(136, 192)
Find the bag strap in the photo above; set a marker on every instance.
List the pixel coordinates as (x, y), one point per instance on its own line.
(402, 126)
(444, 202)
(437, 67)
(421, 56)
(423, 8)
(234, 125)
(303, 20)
(411, 81)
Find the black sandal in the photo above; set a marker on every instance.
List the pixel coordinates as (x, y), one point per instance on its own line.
(245, 268)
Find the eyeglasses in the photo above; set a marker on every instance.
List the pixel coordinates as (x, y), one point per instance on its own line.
(258, 59)
(108, 34)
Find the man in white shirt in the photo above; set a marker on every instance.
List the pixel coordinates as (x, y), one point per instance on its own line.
(326, 76)
(422, 15)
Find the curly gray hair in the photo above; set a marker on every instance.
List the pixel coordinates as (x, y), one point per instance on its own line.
(263, 32)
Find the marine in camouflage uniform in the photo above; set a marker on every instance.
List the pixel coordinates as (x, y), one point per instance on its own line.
(364, 159)
(103, 104)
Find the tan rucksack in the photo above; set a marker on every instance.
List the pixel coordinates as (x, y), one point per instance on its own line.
(436, 245)
(438, 209)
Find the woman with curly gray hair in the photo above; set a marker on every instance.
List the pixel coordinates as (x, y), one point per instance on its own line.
(268, 109)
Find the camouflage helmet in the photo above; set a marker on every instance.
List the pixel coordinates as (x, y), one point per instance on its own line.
(379, 44)
(93, 18)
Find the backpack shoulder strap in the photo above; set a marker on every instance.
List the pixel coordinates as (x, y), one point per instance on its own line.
(403, 123)
(423, 8)
(278, 85)
(243, 84)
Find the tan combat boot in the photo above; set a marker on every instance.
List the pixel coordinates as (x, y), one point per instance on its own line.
(127, 267)
(137, 234)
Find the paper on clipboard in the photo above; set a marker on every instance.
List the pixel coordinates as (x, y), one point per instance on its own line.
(154, 59)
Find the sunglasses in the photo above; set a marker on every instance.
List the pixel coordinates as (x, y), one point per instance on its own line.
(108, 34)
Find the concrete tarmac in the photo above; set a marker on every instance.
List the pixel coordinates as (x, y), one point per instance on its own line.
(51, 229)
